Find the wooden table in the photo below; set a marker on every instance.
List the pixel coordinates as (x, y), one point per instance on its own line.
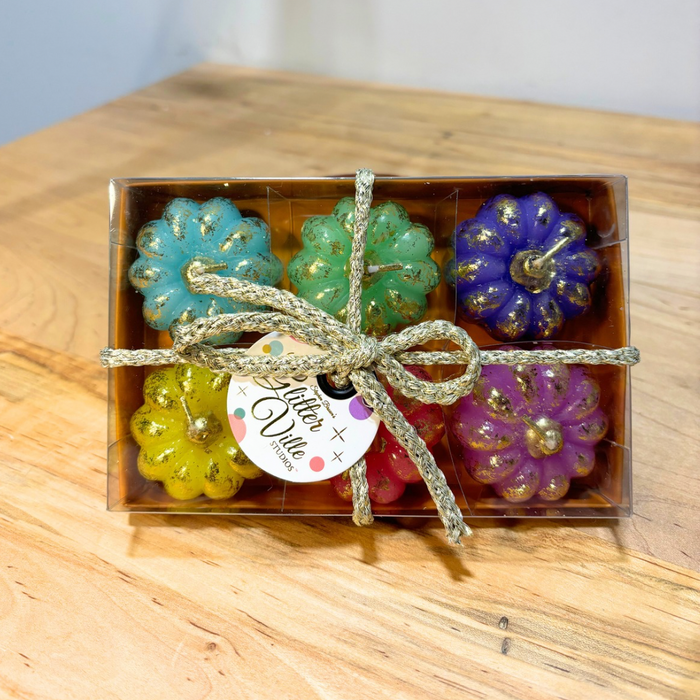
(100, 605)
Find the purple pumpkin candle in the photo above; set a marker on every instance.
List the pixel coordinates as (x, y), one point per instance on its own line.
(529, 429)
(522, 268)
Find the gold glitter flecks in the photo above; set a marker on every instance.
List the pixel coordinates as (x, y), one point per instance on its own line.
(522, 487)
(486, 298)
(572, 228)
(150, 240)
(406, 306)
(544, 209)
(143, 273)
(160, 391)
(482, 267)
(238, 240)
(526, 379)
(186, 316)
(430, 429)
(589, 401)
(557, 378)
(238, 460)
(211, 214)
(215, 308)
(593, 428)
(342, 314)
(344, 486)
(484, 436)
(423, 275)
(375, 316)
(384, 221)
(323, 234)
(490, 467)
(584, 461)
(585, 264)
(329, 296)
(481, 238)
(190, 379)
(149, 426)
(468, 269)
(177, 215)
(318, 269)
(515, 323)
(575, 293)
(496, 402)
(508, 211)
(153, 308)
(555, 488)
(186, 481)
(548, 318)
(344, 213)
(155, 461)
(220, 481)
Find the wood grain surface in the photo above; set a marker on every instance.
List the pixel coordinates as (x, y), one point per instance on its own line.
(100, 605)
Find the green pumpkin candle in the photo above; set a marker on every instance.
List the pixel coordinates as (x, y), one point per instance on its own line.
(399, 271)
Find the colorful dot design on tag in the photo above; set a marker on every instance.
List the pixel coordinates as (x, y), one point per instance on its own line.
(343, 426)
(238, 424)
(274, 348)
(316, 464)
(359, 410)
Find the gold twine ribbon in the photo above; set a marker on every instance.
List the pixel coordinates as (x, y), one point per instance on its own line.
(350, 355)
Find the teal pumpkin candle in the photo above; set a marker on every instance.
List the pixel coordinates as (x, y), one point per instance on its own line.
(213, 233)
(399, 271)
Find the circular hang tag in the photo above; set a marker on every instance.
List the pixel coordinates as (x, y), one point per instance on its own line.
(299, 429)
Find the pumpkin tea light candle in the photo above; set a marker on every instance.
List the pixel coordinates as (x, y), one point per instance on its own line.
(399, 271)
(184, 435)
(521, 267)
(529, 429)
(213, 237)
(389, 468)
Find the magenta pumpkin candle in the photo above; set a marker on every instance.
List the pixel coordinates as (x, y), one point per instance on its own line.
(527, 430)
(389, 468)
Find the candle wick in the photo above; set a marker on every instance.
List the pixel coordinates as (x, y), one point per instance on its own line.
(192, 269)
(538, 263)
(214, 267)
(388, 267)
(188, 412)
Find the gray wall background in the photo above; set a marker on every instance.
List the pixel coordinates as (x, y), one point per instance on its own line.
(61, 57)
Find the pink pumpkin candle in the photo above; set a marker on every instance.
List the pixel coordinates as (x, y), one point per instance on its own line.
(389, 468)
(527, 430)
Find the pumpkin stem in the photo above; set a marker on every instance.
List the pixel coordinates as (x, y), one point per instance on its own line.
(202, 427)
(544, 437)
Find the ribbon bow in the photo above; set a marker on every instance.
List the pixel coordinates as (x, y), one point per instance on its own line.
(350, 355)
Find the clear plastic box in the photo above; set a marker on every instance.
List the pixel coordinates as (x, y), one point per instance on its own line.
(440, 204)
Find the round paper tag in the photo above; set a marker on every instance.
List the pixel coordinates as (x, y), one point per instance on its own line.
(298, 429)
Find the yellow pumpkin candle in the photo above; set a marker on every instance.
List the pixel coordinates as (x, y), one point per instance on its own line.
(184, 435)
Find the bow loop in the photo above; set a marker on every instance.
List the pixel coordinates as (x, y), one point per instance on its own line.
(441, 392)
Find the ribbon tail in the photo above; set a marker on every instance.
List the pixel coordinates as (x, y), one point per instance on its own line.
(361, 505)
(376, 396)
